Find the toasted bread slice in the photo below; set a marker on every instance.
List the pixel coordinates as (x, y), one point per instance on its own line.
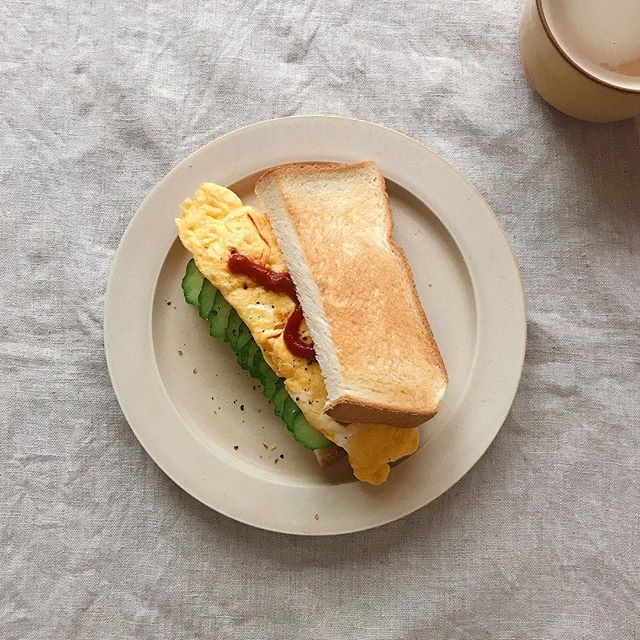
(373, 342)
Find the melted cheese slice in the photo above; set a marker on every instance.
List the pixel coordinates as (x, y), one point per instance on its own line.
(214, 224)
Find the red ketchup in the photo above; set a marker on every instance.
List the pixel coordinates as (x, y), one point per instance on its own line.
(280, 282)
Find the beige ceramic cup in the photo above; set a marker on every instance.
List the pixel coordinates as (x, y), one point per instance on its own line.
(582, 58)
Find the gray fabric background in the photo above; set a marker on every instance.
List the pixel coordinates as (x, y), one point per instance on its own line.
(98, 100)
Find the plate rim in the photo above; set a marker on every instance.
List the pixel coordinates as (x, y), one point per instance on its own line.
(110, 322)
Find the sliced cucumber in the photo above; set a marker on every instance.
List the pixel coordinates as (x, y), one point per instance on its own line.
(233, 328)
(307, 436)
(264, 370)
(225, 323)
(247, 352)
(255, 354)
(244, 336)
(192, 283)
(279, 399)
(219, 316)
(253, 366)
(269, 384)
(290, 413)
(206, 298)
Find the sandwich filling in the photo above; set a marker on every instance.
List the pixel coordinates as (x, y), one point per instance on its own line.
(213, 227)
(277, 281)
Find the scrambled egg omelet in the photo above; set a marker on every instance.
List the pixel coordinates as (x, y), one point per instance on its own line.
(214, 224)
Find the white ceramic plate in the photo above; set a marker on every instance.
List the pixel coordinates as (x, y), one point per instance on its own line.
(189, 403)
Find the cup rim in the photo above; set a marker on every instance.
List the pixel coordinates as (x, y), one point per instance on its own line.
(571, 61)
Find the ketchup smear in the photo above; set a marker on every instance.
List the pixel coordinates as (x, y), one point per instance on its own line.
(280, 282)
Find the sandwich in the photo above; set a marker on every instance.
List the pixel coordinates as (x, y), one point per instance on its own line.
(320, 306)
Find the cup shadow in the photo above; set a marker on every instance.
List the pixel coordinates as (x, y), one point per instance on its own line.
(606, 161)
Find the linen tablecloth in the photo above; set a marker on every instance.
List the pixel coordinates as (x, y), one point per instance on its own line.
(98, 101)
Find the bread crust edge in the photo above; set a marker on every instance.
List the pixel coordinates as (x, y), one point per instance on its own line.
(329, 455)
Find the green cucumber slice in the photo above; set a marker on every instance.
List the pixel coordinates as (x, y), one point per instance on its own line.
(264, 370)
(206, 298)
(290, 413)
(253, 366)
(255, 350)
(244, 336)
(219, 316)
(245, 353)
(307, 436)
(192, 283)
(233, 328)
(270, 384)
(279, 399)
